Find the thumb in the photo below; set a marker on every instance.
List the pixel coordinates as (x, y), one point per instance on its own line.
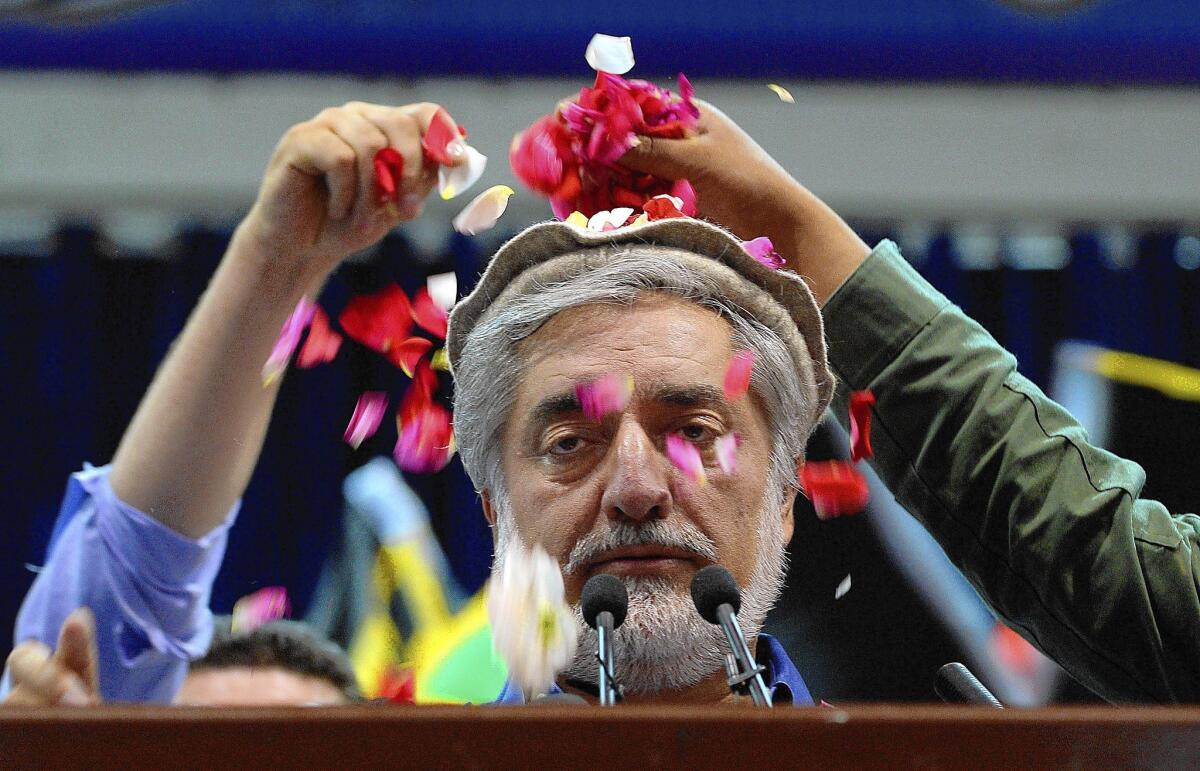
(76, 649)
(664, 158)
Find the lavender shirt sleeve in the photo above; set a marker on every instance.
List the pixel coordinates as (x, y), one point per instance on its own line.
(147, 585)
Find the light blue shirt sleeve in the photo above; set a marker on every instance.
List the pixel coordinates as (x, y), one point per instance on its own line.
(147, 585)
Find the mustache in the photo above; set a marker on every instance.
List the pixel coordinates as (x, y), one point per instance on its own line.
(680, 535)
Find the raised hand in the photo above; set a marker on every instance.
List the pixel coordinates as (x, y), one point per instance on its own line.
(67, 676)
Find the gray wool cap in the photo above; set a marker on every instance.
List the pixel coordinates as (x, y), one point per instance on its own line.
(549, 252)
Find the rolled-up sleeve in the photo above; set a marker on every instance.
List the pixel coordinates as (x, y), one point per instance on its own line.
(147, 585)
(1050, 529)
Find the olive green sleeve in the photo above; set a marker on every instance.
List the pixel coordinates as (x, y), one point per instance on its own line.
(1049, 529)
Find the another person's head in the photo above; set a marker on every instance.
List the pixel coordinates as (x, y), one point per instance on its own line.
(279, 663)
(669, 303)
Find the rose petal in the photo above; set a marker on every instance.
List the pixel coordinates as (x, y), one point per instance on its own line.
(389, 168)
(254, 610)
(455, 180)
(428, 315)
(443, 288)
(662, 207)
(407, 353)
(835, 488)
(726, 447)
(860, 424)
(398, 686)
(606, 53)
(322, 344)
(577, 219)
(438, 136)
(440, 361)
(368, 414)
(737, 375)
(686, 458)
(683, 190)
(842, 588)
(419, 393)
(482, 213)
(379, 320)
(609, 220)
(783, 94)
(426, 440)
(763, 250)
(604, 395)
(289, 338)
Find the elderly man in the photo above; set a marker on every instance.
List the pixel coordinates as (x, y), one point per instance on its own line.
(667, 303)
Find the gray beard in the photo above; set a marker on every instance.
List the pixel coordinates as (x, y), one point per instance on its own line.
(664, 644)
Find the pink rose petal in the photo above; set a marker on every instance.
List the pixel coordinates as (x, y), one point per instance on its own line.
(763, 250)
(737, 375)
(606, 394)
(686, 458)
(368, 414)
(484, 211)
(726, 447)
(322, 344)
(289, 338)
(426, 440)
(254, 610)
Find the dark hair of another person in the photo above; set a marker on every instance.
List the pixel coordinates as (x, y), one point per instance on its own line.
(288, 645)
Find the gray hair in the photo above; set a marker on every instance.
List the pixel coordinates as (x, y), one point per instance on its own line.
(490, 369)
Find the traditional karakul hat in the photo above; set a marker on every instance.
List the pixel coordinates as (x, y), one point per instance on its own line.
(551, 252)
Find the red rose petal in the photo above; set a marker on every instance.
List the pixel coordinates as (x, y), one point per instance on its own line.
(389, 168)
(399, 686)
(428, 314)
(860, 424)
(835, 488)
(406, 354)
(379, 320)
(322, 344)
(438, 136)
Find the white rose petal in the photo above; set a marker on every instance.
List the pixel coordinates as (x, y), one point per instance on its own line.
(482, 213)
(606, 53)
(455, 180)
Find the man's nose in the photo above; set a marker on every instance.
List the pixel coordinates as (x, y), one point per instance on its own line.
(638, 487)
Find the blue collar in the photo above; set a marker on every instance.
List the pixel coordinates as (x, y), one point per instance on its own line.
(787, 687)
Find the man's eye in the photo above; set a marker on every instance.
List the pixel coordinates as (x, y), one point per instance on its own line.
(566, 445)
(696, 432)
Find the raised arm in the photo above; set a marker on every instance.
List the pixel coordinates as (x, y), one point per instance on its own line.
(1050, 530)
(189, 451)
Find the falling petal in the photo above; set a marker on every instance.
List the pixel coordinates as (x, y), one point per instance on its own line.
(426, 440)
(379, 320)
(726, 447)
(577, 219)
(860, 424)
(419, 393)
(609, 220)
(456, 180)
(443, 288)
(604, 395)
(763, 250)
(482, 213)
(407, 353)
(438, 136)
(533, 629)
(683, 191)
(398, 686)
(439, 361)
(606, 53)
(428, 315)
(737, 375)
(368, 414)
(835, 488)
(322, 344)
(783, 94)
(254, 610)
(686, 458)
(289, 338)
(842, 588)
(389, 168)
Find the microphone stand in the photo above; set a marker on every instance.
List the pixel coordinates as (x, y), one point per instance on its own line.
(749, 675)
(610, 691)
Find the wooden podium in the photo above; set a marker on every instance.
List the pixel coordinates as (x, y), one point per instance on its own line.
(642, 737)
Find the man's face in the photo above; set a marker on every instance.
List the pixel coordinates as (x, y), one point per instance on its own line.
(255, 687)
(569, 478)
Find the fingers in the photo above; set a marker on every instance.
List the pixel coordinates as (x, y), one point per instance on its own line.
(365, 139)
(77, 649)
(39, 680)
(316, 151)
(676, 158)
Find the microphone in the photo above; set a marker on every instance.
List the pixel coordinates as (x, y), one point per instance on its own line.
(955, 684)
(717, 599)
(604, 603)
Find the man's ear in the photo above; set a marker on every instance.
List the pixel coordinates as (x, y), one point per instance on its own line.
(787, 515)
(489, 513)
